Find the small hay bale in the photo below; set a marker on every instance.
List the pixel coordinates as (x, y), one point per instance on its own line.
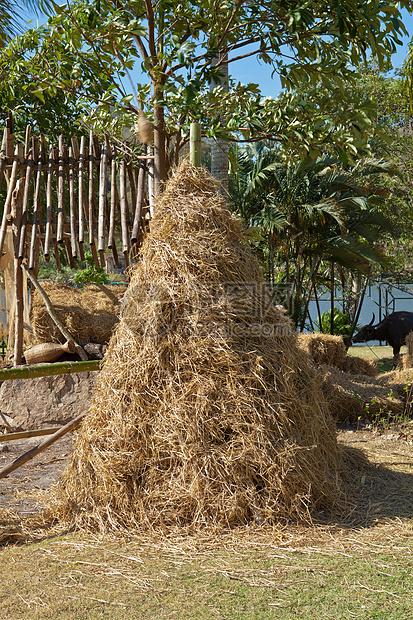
(89, 314)
(359, 366)
(409, 343)
(406, 360)
(206, 412)
(398, 381)
(323, 348)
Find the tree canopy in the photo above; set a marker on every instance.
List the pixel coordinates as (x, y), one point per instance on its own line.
(88, 48)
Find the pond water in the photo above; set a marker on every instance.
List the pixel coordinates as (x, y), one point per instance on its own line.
(381, 299)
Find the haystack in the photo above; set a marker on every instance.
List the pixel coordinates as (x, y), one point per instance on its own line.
(406, 360)
(89, 314)
(352, 398)
(359, 366)
(206, 413)
(324, 348)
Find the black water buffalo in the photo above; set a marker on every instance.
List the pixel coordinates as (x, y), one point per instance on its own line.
(393, 328)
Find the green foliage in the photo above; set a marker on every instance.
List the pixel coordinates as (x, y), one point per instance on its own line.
(392, 139)
(90, 275)
(310, 214)
(341, 323)
(87, 50)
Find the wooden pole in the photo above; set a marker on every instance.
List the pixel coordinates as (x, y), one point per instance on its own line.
(27, 434)
(103, 179)
(124, 212)
(195, 144)
(79, 350)
(49, 370)
(16, 212)
(27, 456)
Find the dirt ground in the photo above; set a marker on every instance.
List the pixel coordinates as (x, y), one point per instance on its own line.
(38, 474)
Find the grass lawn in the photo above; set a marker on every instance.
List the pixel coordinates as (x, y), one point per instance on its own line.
(302, 574)
(383, 355)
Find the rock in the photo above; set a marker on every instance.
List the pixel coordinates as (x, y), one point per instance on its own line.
(46, 401)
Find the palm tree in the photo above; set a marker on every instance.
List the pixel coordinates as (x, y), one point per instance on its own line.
(11, 21)
(313, 215)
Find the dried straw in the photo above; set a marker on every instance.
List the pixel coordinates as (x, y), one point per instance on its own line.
(359, 366)
(323, 348)
(406, 360)
(89, 314)
(206, 413)
(350, 397)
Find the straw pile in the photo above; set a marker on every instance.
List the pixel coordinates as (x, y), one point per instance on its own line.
(352, 398)
(206, 413)
(89, 314)
(406, 360)
(325, 349)
(359, 366)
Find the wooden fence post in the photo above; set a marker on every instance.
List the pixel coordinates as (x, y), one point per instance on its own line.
(16, 213)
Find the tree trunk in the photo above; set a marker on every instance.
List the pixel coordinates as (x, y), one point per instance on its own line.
(219, 148)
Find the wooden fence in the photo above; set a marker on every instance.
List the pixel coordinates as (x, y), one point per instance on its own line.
(68, 194)
(59, 197)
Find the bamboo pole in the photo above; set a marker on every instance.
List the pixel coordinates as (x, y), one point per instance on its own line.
(48, 205)
(123, 210)
(139, 202)
(151, 182)
(132, 186)
(56, 252)
(73, 214)
(27, 434)
(79, 350)
(103, 179)
(91, 203)
(60, 192)
(28, 176)
(34, 243)
(27, 141)
(195, 144)
(70, 258)
(16, 212)
(49, 370)
(7, 204)
(27, 456)
(79, 156)
(9, 137)
(112, 214)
